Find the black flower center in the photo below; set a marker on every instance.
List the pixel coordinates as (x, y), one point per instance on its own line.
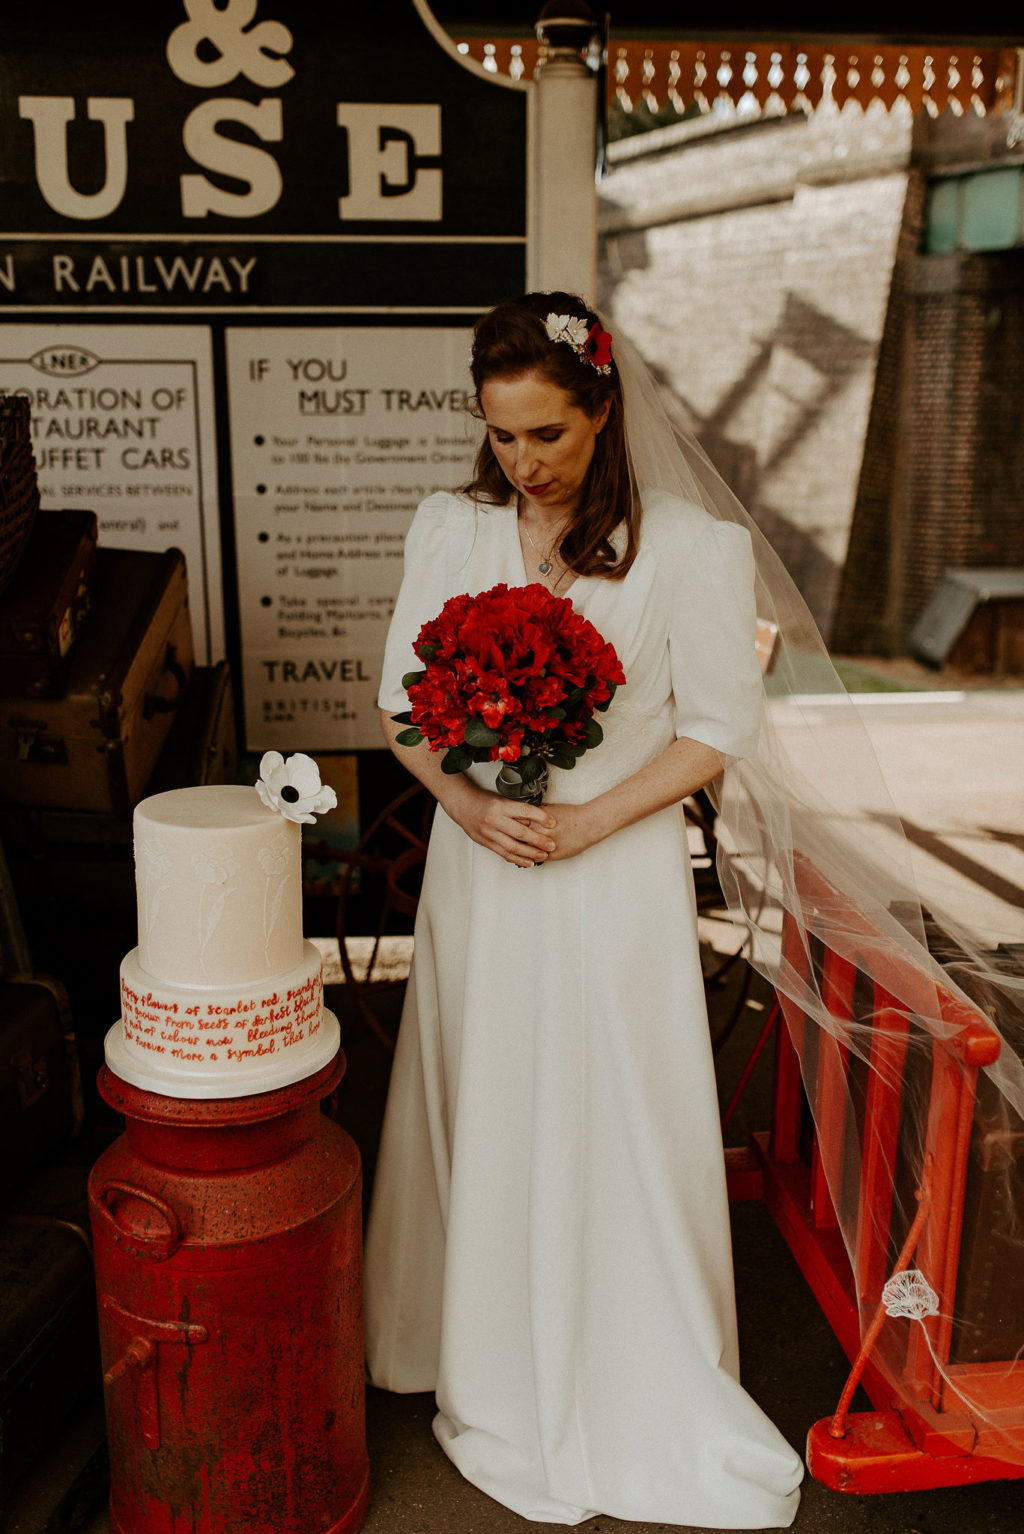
(289, 793)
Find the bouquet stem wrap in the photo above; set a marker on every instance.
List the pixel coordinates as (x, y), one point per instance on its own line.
(512, 781)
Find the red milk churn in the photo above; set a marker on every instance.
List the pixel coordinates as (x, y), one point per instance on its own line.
(229, 1277)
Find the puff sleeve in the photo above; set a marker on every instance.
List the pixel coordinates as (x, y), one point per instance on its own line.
(436, 545)
(716, 676)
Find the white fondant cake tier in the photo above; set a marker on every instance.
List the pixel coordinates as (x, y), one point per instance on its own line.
(221, 1041)
(219, 886)
(283, 1009)
(222, 997)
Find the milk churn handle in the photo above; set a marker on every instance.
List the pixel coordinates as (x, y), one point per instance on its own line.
(157, 1248)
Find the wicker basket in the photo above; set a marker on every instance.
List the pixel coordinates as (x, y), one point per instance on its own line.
(19, 487)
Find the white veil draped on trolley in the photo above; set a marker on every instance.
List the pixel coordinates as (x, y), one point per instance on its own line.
(910, 1065)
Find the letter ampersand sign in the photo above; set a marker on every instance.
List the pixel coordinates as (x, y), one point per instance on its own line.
(242, 49)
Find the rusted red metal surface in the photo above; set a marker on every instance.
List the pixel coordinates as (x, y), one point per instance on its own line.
(941, 1418)
(229, 1275)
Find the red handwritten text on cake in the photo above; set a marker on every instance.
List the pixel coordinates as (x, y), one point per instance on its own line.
(233, 1028)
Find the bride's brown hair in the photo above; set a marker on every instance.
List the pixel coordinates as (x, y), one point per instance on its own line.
(512, 339)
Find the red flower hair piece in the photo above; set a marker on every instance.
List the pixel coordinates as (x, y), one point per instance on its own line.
(598, 346)
(592, 345)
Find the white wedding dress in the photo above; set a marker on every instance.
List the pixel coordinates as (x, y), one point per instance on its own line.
(548, 1247)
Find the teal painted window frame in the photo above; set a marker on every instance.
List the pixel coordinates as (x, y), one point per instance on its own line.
(982, 210)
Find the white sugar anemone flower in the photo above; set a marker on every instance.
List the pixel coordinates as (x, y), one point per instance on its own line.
(293, 787)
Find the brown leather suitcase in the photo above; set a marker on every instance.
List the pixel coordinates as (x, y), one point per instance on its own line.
(95, 747)
(41, 1101)
(71, 871)
(202, 746)
(19, 486)
(45, 604)
(49, 1354)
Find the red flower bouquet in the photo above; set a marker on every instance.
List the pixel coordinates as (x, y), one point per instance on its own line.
(512, 675)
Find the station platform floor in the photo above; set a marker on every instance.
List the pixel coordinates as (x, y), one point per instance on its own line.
(953, 764)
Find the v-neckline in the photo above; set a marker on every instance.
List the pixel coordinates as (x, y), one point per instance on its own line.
(514, 509)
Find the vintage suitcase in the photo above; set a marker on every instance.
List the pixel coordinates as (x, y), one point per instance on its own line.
(19, 486)
(41, 1103)
(95, 748)
(71, 871)
(43, 608)
(69, 868)
(49, 1352)
(202, 746)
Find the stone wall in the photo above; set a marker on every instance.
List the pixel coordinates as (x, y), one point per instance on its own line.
(752, 265)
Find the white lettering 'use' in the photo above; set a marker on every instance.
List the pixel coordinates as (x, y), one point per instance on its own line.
(384, 144)
(49, 116)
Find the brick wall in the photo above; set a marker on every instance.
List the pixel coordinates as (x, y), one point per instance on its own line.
(961, 498)
(752, 267)
(869, 605)
(941, 485)
(861, 398)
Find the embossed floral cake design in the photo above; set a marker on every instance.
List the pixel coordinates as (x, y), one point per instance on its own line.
(152, 865)
(213, 867)
(274, 862)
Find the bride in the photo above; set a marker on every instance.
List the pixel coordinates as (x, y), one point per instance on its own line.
(548, 1247)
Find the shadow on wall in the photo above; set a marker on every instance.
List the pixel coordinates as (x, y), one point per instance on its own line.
(761, 288)
(831, 353)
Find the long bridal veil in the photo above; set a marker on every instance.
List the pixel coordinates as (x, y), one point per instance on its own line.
(907, 1024)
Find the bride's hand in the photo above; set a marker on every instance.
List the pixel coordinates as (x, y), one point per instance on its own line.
(519, 833)
(573, 830)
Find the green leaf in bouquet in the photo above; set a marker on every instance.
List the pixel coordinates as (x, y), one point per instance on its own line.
(592, 733)
(405, 718)
(455, 760)
(612, 687)
(563, 756)
(477, 733)
(411, 678)
(426, 651)
(408, 737)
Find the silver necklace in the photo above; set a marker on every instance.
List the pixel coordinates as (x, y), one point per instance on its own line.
(545, 567)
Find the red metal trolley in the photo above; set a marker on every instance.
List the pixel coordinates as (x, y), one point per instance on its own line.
(915, 1126)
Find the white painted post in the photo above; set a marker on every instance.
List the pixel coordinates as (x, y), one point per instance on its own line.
(563, 227)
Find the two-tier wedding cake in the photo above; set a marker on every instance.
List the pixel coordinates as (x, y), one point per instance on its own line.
(223, 996)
